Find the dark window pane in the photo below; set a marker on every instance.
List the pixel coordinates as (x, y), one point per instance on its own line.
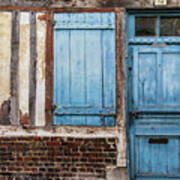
(170, 26)
(145, 26)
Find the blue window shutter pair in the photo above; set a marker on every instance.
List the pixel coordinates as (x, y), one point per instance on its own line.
(84, 69)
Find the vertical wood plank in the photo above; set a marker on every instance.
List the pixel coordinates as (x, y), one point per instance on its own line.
(49, 70)
(62, 73)
(94, 67)
(94, 63)
(62, 61)
(120, 84)
(109, 67)
(40, 71)
(14, 113)
(172, 152)
(77, 70)
(108, 43)
(32, 72)
(24, 63)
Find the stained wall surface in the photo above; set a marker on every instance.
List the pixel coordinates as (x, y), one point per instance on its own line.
(23, 91)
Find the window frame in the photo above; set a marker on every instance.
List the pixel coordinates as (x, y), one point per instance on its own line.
(150, 39)
(119, 47)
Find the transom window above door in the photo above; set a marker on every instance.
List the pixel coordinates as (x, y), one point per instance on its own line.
(149, 28)
(157, 26)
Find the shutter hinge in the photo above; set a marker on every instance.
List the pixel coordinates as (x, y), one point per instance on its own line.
(53, 107)
(133, 114)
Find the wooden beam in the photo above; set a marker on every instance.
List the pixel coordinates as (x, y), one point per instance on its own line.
(21, 8)
(49, 70)
(32, 72)
(14, 112)
(82, 10)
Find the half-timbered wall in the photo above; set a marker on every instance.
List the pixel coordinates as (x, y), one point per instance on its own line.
(23, 95)
(23, 92)
(22, 65)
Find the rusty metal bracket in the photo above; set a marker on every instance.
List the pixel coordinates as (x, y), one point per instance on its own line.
(53, 107)
(44, 17)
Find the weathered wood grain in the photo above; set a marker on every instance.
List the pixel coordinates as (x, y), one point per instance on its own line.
(14, 113)
(120, 86)
(49, 70)
(32, 71)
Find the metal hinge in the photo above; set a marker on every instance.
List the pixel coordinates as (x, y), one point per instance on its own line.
(53, 107)
(133, 114)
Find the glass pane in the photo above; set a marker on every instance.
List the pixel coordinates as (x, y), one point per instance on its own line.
(170, 26)
(145, 26)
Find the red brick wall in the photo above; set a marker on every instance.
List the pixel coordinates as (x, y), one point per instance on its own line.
(56, 157)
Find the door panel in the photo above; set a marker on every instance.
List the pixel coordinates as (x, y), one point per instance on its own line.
(171, 78)
(156, 79)
(147, 78)
(157, 155)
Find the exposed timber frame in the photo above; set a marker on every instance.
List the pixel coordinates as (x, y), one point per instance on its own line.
(14, 107)
(32, 71)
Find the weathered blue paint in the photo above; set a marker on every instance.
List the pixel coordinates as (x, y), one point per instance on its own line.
(156, 79)
(84, 69)
(154, 39)
(153, 82)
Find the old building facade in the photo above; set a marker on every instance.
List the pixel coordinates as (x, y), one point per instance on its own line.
(89, 89)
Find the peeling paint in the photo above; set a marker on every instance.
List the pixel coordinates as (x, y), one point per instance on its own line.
(41, 37)
(24, 63)
(40, 73)
(116, 173)
(81, 132)
(24, 118)
(5, 55)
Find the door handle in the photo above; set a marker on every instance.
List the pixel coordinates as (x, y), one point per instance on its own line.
(158, 141)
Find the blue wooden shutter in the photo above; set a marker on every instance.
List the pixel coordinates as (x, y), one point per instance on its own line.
(84, 69)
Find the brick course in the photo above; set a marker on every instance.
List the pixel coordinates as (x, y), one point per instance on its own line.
(60, 158)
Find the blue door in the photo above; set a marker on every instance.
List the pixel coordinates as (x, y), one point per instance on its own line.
(84, 69)
(154, 100)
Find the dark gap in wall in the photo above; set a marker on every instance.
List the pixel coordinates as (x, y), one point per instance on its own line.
(4, 113)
